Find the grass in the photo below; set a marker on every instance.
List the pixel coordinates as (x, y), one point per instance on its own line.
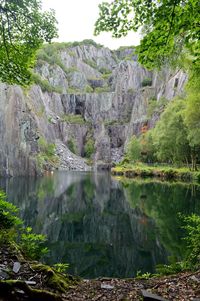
(74, 119)
(164, 172)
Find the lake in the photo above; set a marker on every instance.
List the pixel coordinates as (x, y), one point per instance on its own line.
(105, 226)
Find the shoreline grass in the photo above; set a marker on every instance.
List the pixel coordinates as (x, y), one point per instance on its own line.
(163, 172)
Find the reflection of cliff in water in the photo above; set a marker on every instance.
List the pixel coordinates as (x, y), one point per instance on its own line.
(99, 226)
(88, 222)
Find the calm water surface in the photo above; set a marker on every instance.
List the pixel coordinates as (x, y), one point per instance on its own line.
(103, 227)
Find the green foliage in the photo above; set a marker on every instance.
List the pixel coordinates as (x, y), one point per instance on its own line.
(8, 214)
(169, 269)
(61, 267)
(103, 89)
(89, 147)
(146, 82)
(47, 153)
(145, 276)
(91, 63)
(170, 134)
(44, 84)
(73, 119)
(73, 91)
(192, 113)
(192, 238)
(106, 75)
(72, 145)
(168, 27)
(88, 89)
(148, 150)
(104, 70)
(33, 245)
(11, 227)
(133, 152)
(24, 28)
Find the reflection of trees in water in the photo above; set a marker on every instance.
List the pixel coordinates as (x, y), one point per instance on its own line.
(163, 202)
(101, 226)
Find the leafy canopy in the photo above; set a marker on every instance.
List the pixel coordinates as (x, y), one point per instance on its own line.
(24, 27)
(168, 26)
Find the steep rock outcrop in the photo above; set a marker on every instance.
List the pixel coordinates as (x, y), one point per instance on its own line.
(83, 91)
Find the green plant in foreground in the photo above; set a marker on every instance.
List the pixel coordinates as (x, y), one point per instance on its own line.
(12, 230)
(61, 267)
(8, 214)
(33, 245)
(146, 275)
(192, 238)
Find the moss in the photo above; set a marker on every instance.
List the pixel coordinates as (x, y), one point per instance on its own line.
(9, 288)
(54, 279)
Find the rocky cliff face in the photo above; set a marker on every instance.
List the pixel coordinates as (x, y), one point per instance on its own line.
(86, 103)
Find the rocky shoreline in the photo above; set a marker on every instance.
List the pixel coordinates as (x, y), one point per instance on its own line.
(21, 279)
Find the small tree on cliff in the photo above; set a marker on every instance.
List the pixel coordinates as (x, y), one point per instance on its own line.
(23, 29)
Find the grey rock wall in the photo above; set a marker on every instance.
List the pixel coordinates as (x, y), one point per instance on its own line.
(104, 88)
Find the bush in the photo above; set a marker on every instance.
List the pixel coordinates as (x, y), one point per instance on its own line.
(72, 146)
(146, 82)
(133, 149)
(44, 84)
(89, 148)
(102, 89)
(33, 244)
(8, 214)
(192, 238)
(11, 228)
(88, 89)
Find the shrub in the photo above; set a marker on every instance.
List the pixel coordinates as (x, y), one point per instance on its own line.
(11, 228)
(61, 267)
(192, 238)
(133, 149)
(44, 84)
(33, 245)
(91, 63)
(146, 82)
(102, 89)
(8, 214)
(88, 89)
(89, 148)
(72, 146)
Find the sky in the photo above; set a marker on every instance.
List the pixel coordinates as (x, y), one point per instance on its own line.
(76, 20)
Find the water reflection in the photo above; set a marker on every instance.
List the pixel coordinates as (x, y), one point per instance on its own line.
(103, 227)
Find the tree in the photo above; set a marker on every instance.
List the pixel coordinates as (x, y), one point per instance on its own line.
(133, 149)
(170, 134)
(192, 115)
(23, 29)
(168, 26)
(148, 151)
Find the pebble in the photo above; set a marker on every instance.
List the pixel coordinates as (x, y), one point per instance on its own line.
(30, 282)
(16, 267)
(107, 286)
(195, 279)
